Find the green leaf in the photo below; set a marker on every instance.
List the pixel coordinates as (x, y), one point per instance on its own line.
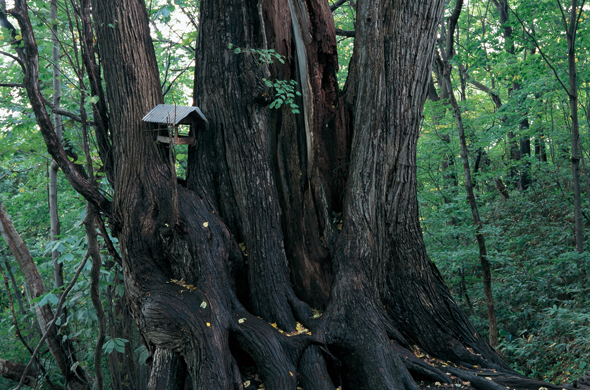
(48, 298)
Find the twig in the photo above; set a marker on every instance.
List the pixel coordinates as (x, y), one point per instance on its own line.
(171, 83)
(22, 65)
(108, 242)
(61, 111)
(11, 85)
(190, 17)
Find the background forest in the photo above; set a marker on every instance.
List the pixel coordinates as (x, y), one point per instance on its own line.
(510, 76)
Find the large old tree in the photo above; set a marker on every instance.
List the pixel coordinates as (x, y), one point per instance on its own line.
(274, 180)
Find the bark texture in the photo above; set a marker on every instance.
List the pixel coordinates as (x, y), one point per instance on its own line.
(179, 258)
(384, 228)
(14, 371)
(209, 268)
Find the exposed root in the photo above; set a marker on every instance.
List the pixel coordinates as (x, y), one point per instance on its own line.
(168, 371)
(314, 373)
(261, 340)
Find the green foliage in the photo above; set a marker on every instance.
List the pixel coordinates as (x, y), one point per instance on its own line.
(344, 19)
(265, 56)
(539, 281)
(115, 344)
(24, 166)
(284, 94)
(284, 89)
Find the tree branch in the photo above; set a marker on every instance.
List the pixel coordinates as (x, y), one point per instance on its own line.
(14, 371)
(486, 89)
(338, 4)
(24, 342)
(190, 17)
(54, 146)
(451, 25)
(61, 111)
(100, 108)
(11, 85)
(94, 252)
(345, 33)
(563, 17)
(60, 348)
(22, 65)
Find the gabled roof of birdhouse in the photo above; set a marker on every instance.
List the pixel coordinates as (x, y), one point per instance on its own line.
(173, 115)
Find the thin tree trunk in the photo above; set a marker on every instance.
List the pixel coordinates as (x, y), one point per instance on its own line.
(17, 292)
(58, 277)
(573, 98)
(586, 177)
(37, 365)
(448, 160)
(94, 251)
(520, 174)
(483, 257)
(61, 350)
(540, 149)
(447, 54)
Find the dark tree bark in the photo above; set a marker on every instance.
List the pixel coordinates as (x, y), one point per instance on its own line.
(424, 316)
(14, 371)
(271, 179)
(298, 159)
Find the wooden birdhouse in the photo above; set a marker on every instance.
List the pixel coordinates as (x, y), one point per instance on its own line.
(170, 118)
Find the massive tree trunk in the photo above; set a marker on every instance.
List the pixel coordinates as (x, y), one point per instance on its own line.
(274, 180)
(272, 159)
(388, 111)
